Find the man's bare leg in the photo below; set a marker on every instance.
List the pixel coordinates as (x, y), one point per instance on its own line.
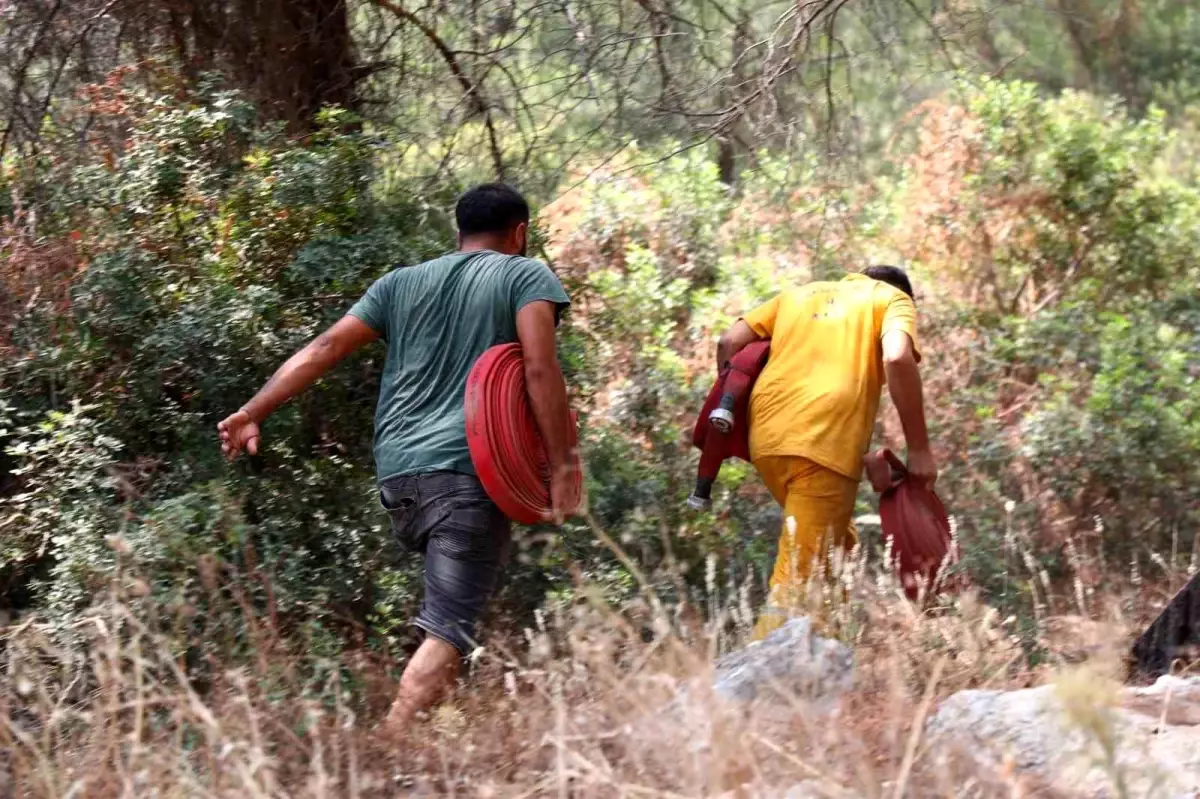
(427, 679)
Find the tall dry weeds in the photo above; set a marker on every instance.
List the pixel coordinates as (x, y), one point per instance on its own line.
(572, 706)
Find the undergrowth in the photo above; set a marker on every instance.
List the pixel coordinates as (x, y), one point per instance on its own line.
(591, 700)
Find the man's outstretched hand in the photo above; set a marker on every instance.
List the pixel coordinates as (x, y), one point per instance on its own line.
(238, 432)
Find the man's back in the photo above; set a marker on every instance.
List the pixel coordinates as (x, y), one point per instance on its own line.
(818, 396)
(437, 319)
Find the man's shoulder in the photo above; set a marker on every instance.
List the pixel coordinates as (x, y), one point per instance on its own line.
(512, 262)
(398, 271)
(402, 272)
(520, 272)
(869, 289)
(440, 262)
(812, 289)
(487, 266)
(864, 293)
(885, 293)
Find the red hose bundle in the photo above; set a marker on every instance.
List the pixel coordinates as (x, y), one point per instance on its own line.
(730, 399)
(503, 437)
(915, 521)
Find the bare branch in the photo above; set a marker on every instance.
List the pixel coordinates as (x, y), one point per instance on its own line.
(470, 89)
(23, 71)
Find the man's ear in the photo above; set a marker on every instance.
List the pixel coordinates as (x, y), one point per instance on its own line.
(458, 240)
(521, 237)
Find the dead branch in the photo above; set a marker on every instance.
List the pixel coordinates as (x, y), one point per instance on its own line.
(471, 89)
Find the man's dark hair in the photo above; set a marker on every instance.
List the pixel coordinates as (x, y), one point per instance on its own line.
(893, 276)
(490, 208)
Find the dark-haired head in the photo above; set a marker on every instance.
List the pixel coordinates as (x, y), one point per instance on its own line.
(492, 216)
(893, 276)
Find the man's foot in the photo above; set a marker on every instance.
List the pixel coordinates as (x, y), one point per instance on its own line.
(394, 731)
(399, 721)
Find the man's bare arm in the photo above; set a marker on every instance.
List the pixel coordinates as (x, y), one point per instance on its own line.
(904, 386)
(733, 341)
(548, 395)
(306, 366)
(240, 430)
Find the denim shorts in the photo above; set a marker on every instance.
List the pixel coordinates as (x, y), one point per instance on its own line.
(448, 518)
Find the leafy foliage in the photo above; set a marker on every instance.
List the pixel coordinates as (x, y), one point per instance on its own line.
(1072, 321)
(210, 248)
(189, 248)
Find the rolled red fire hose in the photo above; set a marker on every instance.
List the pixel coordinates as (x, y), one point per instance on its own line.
(915, 522)
(502, 434)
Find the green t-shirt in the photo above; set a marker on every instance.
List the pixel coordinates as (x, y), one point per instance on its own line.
(437, 318)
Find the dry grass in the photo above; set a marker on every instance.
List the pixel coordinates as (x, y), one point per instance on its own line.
(571, 707)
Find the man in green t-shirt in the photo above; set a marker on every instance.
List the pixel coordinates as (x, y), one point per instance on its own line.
(436, 320)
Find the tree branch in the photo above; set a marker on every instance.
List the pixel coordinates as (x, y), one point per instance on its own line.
(22, 71)
(470, 88)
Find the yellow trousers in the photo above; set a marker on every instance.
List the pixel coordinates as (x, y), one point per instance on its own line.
(818, 513)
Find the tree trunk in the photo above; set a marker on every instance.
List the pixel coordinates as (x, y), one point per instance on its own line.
(305, 59)
(1079, 19)
(727, 155)
(294, 57)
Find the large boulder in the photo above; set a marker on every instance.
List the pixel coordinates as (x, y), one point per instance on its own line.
(1134, 742)
(791, 669)
(792, 662)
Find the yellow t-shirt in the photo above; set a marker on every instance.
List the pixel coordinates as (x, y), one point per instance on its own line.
(818, 396)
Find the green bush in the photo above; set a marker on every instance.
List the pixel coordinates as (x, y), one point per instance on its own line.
(212, 248)
(1051, 244)
(1075, 391)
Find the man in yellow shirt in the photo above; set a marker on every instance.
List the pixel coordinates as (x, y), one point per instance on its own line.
(833, 346)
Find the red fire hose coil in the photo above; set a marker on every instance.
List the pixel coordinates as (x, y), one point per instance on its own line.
(502, 434)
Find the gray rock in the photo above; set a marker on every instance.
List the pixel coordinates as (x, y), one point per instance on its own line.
(1146, 743)
(809, 789)
(803, 670)
(790, 661)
